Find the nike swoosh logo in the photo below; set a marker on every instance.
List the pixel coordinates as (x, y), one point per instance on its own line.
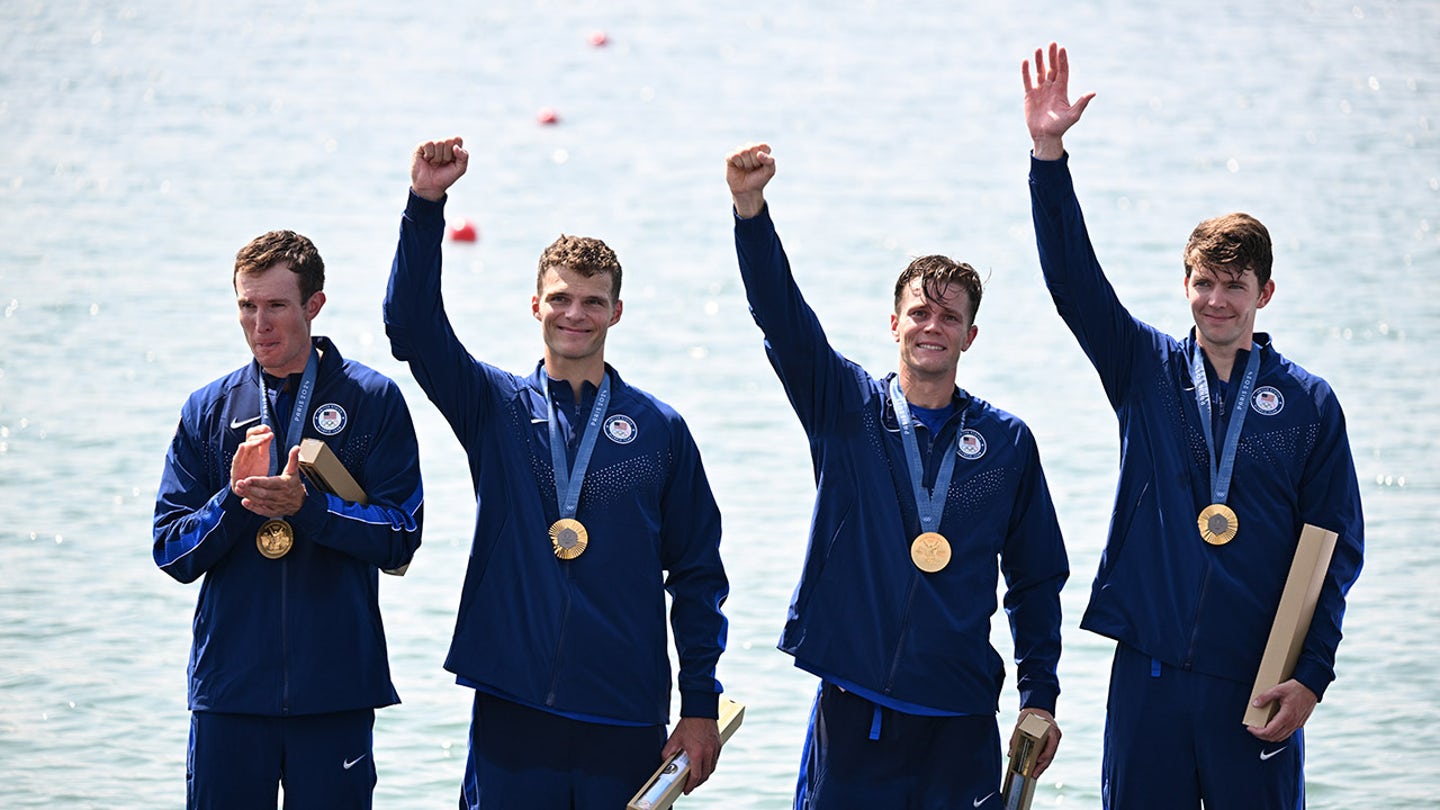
(538, 420)
(236, 424)
(350, 763)
(1264, 755)
(979, 802)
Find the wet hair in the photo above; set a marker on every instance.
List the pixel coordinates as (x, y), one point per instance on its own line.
(1232, 244)
(584, 255)
(935, 273)
(283, 247)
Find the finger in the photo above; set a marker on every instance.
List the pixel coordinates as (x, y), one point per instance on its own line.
(1054, 59)
(1025, 75)
(292, 466)
(1270, 695)
(701, 766)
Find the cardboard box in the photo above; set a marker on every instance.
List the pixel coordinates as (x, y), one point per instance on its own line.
(1292, 618)
(666, 784)
(321, 465)
(324, 468)
(1019, 787)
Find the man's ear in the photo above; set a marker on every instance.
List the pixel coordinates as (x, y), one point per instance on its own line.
(312, 307)
(1266, 293)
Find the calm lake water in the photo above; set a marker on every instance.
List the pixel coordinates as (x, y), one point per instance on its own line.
(143, 143)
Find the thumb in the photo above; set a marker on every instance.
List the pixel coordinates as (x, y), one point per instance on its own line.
(292, 466)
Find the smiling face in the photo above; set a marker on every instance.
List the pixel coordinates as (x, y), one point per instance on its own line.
(275, 320)
(1223, 304)
(932, 332)
(575, 312)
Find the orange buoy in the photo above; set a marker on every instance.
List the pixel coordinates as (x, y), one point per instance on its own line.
(464, 231)
(599, 39)
(547, 116)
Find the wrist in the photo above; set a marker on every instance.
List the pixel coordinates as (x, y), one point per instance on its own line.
(748, 204)
(1048, 148)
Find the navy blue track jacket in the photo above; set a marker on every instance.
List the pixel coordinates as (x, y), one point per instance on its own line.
(863, 613)
(301, 634)
(1160, 588)
(583, 637)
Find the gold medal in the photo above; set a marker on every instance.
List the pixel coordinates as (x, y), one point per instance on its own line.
(569, 538)
(1218, 524)
(275, 539)
(930, 552)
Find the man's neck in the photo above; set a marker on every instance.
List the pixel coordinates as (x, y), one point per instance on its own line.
(1222, 358)
(925, 391)
(576, 373)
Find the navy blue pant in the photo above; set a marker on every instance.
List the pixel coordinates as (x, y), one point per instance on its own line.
(857, 759)
(238, 761)
(1174, 738)
(522, 757)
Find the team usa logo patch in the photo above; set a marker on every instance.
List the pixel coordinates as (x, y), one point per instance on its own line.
(621, 429)
(330, 419)
(971, 445)
(1267, 401)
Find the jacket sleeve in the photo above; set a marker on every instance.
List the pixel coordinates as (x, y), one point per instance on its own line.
(813, 374)
(1330, 499)
(419, 330)
(198, 519)
(1035, 567)
(695, 580)
(1121, 348)
(386, 531)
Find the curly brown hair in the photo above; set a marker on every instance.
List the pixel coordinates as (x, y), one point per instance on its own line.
(584, 255)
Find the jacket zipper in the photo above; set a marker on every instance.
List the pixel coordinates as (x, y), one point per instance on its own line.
(284, 637)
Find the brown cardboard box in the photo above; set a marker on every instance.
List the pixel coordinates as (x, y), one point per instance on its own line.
(1292, 617)
(665, 785)
(1019, 789)
(322, 466)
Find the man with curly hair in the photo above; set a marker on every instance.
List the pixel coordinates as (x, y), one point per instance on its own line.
(591, 504)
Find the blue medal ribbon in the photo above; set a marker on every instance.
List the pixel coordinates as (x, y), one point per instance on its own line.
(297, 414)
(930, 505)
(568, 480)
(1223, 466)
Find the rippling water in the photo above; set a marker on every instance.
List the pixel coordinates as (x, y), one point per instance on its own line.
(144, 143)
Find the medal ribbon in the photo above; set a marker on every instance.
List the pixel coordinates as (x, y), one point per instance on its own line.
(567, 480)
(930, 505)
(1223, 468)
(297, 414)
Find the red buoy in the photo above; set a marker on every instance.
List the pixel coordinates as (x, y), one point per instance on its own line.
(464, 231)
(547, 116)
(599, 39)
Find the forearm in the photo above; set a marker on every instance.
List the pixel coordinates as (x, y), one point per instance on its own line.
(413, 307)
(695, 579)
(187, 543)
